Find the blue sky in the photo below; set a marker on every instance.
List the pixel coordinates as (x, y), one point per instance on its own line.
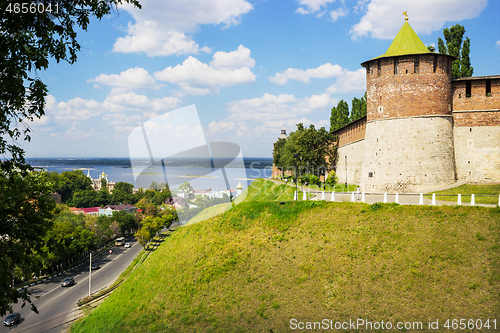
(250, 67)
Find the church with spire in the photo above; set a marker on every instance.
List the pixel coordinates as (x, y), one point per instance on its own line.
(423, 129)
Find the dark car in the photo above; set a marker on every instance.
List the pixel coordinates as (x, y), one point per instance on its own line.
(95, 266)
(12, 319)
(68, 282)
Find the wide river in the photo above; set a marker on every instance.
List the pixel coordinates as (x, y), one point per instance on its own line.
(141, 173)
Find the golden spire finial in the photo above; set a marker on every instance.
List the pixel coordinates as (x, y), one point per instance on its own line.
(406, 16)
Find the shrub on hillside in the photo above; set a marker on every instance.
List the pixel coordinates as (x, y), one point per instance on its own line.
(332, 178)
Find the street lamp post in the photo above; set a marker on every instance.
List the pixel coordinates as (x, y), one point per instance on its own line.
(90, 271)
(346, 172)
(296, 189)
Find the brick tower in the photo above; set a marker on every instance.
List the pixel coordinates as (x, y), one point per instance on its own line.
(409, 129)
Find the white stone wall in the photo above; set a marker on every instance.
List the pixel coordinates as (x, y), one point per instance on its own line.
(408, 155)
(477, 153)
(355, 155)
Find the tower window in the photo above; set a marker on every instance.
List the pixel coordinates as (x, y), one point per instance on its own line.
(435, 63)
(396, 66)
(488, 88)
(416, 65)
(468, 89)
(379, 69)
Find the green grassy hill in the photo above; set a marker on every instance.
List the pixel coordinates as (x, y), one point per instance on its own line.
(261, 264)
(259, 190)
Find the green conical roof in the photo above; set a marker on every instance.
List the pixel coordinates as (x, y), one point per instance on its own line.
(405, 42)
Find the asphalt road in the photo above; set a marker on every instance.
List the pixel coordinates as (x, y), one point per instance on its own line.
(57, 305)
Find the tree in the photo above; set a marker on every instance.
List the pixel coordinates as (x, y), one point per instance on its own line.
(104, 183)
(69, 182)
(339, 116)
(314, 148)
(125, 187)
(277, 151)
(28, 42)
(358, 108)
(461, 66)
(25, 209)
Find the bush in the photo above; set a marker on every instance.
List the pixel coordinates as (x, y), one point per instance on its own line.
(309, 178)
(332, 178)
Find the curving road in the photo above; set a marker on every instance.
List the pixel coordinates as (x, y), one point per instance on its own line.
(57, 305)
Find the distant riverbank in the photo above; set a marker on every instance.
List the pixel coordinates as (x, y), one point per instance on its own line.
(198, 172)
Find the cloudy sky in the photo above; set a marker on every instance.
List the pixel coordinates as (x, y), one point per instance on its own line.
(249, 67)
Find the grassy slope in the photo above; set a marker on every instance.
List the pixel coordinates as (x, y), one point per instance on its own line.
(467, 190)
(262, 263)
(259, 190)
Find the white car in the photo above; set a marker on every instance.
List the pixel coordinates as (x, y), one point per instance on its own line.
(127, 245)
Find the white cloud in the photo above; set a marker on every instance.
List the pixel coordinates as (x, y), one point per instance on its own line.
(130, 101)
(161, 27)
(76, 109)
(340, 12)
(348, 82)
(132, 78)
(271, 107)
(324, 71)
(312, 6)
(498, 43)
(383, 18)
(221, 126)
(124, 106)
(233, 60)
(148, 37)
(197, 78)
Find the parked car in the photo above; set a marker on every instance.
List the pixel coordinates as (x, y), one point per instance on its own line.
(68, 282)
(12, 319)
(127, 245)
(95, 266)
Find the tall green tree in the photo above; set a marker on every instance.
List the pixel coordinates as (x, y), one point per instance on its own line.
(358, 109)
(454, 36)
(277, 152)
(339, 116)
(314, 148)
(25, 216)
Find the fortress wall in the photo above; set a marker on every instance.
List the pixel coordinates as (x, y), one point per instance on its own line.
(415, 90)
(477, 146)
(351, 132)
(408, 155)
(355, 156)
(478, 98)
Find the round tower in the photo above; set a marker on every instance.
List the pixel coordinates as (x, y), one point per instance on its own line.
(409, 130)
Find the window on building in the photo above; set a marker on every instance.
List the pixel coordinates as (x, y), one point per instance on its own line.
(488, 88)
(416, 65)
(435, 62)
(370, 174)
(396, 66)
(379, 69)
(468, 89)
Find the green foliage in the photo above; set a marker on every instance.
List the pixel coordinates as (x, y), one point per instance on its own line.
(28, 42)
(312, 148)
(278, 147)
(309, 179)
(126, 188)
(25, 213)
(358, 108)
(461, 66)
(332, 178)
(69, 182)
(339, 116)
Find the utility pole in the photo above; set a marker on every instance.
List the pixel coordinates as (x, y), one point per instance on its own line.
(346, 172)
(90, 272)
